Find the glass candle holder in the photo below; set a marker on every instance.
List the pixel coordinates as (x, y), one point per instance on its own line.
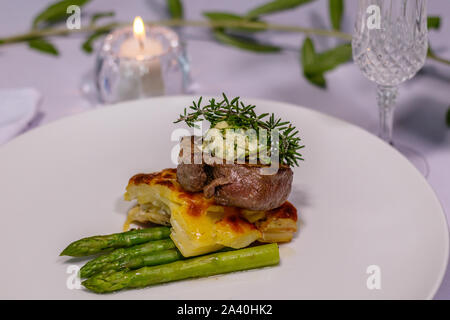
(131, 67)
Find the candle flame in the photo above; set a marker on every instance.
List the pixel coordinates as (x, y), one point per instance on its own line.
(139, 29)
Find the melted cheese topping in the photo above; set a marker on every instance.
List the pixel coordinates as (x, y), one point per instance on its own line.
(198, 224)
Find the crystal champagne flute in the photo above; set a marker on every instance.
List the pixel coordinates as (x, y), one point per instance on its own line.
(390, 44)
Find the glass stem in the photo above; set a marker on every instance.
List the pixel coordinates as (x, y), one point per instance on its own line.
(386, 97)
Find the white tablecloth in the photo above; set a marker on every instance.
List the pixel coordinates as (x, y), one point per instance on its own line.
(422, 103)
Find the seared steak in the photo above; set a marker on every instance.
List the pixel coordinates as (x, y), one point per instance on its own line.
(238, 185)
(192, 177)
(243, 186)
(191, 171)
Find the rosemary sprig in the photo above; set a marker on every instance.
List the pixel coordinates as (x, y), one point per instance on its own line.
(239, 115)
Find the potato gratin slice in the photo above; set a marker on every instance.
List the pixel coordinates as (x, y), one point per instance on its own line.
(198, 224)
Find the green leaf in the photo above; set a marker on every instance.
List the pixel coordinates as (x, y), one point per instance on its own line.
(315, 65)
(244, 43)
(308, 52)
(87, 46)
(56, 11)
(317, 79)
(330, 59)
(448, 117)
(43, 46)
(434, 22)
(175, 9)
(308, 56)
(95, 17)
(336, 10)
(275, 6)
(226, 16)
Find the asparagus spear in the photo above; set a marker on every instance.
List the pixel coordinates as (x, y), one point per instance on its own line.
(216, 263)
(150, 259)
(96, 244)
(101, 263)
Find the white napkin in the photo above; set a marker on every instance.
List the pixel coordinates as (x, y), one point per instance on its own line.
(17, 108)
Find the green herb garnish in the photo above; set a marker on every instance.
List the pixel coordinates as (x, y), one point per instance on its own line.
(239, 115)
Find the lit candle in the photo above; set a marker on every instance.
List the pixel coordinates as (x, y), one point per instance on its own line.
(137, 62)
(141, 70)
(140, 47)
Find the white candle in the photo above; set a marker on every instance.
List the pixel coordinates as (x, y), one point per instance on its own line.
(141, 70)
(131, 48)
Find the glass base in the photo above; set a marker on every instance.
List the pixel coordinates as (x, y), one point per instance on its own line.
(88, 88)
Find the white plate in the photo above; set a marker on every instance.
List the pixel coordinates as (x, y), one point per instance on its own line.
(361, 204)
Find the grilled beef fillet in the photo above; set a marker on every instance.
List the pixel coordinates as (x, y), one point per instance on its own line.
(237, 185)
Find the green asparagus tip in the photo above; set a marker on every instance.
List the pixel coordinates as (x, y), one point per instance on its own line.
(66, 252)
(107, 281)
(100, 244)
(91, 285)
(72, 250)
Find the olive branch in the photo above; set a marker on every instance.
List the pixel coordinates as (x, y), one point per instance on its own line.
(228, 28)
